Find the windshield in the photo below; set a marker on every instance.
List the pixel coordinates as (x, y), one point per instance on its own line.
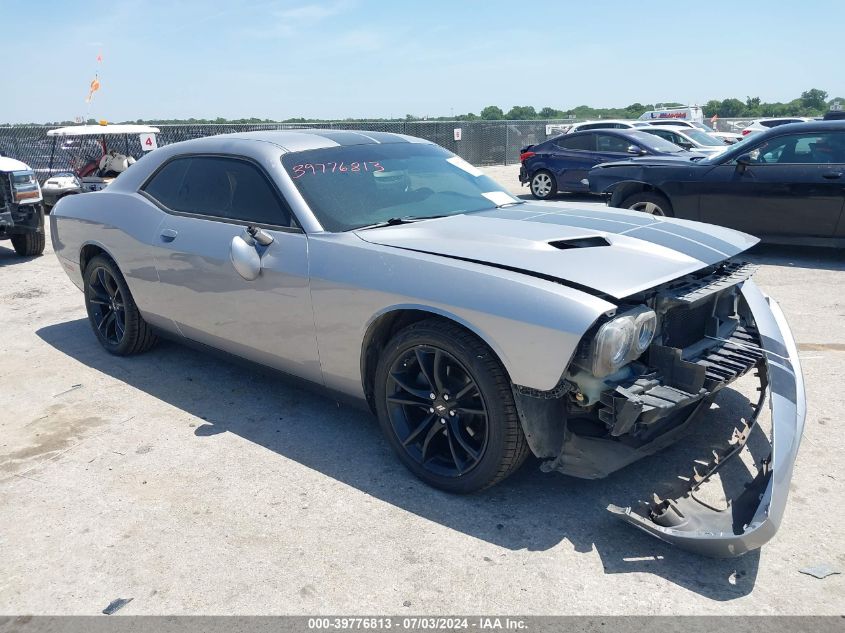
(354, 186)
(656, 143)
(702, 138)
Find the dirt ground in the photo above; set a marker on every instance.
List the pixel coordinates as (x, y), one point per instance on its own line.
(194, 485)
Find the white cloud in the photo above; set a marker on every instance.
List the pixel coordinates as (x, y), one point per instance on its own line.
(285, 20)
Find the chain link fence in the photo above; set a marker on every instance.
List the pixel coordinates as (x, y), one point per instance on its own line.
(478, 142)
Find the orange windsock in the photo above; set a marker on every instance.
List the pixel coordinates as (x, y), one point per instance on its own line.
(94, 87)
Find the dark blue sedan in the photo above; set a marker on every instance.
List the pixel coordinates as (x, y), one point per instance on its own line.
(562, 163)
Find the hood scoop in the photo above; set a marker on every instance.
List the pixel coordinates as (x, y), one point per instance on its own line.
(580, 242)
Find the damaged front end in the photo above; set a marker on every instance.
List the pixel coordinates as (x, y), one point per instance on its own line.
(712, 328)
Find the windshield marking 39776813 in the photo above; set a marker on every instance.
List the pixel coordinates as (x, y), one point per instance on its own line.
(356, 186)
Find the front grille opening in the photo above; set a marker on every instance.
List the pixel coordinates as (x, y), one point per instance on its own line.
(684, 326)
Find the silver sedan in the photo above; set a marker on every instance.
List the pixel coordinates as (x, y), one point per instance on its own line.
(478, 328)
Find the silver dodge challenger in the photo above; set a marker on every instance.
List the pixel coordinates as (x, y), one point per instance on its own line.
(478, 328)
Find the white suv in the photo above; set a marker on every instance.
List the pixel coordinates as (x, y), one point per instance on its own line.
(618, 124)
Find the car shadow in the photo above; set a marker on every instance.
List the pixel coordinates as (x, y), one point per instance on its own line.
(529, 511)
(9, 257)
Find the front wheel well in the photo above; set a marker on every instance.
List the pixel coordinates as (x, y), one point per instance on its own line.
(626, 189)
(384, 328)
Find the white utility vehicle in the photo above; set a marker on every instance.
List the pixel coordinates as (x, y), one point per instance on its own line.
(21, 210)
(97, 155)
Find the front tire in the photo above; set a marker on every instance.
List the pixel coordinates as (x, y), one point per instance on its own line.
(468, 436)
(114, 317)
(649, 202)
(29, 244)
(543, 185)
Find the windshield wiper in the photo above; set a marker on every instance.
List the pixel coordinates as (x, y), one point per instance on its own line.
(408, 219)
(510, 204)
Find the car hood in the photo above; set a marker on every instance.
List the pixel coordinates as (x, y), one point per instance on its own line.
(610, 251)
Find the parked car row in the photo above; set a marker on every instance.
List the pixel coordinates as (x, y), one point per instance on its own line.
(786, 184)
(562, 163)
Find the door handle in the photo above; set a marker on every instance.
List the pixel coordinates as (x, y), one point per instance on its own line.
(832, 175)
(168, 235)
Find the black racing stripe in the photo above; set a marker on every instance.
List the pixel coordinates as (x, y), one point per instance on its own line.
(676, 242)
(777, 348)
(596, 224)
(700, 236)
(782, 382)
(634, 219)
(385, 137)
(344, 137)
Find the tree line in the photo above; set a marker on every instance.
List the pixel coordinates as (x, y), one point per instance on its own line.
(813, 102)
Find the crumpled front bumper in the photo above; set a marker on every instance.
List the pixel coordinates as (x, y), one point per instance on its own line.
(752, 518)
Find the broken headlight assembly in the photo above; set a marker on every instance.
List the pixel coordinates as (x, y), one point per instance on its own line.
(621, 340)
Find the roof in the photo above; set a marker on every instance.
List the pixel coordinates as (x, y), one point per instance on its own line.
(11, 164)
(591, 121)
(100, 130)
(304, 139)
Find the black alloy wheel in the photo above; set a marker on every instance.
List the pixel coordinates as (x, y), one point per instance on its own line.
(112, 312)
(437, 411)
(108, 309)
(445, 404)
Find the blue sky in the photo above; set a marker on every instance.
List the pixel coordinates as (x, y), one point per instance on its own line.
(367, 58)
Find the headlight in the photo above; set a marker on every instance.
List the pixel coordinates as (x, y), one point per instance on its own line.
(621, 340)
(25, 186)
(646, 325)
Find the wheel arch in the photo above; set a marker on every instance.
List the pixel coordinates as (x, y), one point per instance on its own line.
(385, 324)
(621, 190)
(89, 251)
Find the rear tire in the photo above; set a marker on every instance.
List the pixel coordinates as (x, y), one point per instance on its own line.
(29, 244)
(469, 436)
(114, 317)
(543, 185)
(650, 203)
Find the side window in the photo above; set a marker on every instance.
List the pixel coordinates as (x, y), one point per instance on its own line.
(803, 149)
(220, 187)
(614, 144)
(585, 142)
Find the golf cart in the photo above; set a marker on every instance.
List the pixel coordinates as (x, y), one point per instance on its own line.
(21, 211)
(97, 154)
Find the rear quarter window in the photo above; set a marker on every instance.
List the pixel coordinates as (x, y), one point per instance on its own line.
(166, 183)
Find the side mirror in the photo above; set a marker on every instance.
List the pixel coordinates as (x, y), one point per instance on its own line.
(635, 150)
(743, 161)
(246, 250)
(244, 257)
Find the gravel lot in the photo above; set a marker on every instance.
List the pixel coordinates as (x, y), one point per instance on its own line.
(194, 485)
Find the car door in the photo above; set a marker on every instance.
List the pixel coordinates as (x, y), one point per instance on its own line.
(574, 157)
(794, 185)
(209, 201)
